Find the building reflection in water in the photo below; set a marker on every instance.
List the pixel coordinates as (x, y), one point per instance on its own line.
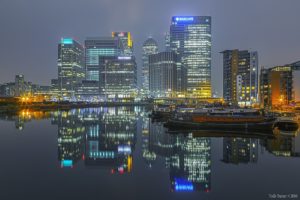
(102, 137)
(106, 138)
(71, 134)
(283, 145)
(24, 116)
(111, 139)
(188, 158)
(240, 150)
(148, 154)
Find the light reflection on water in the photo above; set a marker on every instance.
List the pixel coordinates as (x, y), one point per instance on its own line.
(121, 141)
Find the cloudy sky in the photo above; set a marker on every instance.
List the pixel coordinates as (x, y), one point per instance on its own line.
(31, 29)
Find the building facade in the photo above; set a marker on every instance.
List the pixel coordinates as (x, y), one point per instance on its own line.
(276, 86)
(126, 42)
(240, 77)
(149, 47)
(190, 38)
(118, 77)
(95, 47)
(163, 74)
(70, 66)
(19, 85)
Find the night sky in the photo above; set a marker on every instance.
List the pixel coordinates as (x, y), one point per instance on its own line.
(31, 29)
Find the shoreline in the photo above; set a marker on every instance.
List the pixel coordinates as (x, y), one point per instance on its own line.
(15, 108)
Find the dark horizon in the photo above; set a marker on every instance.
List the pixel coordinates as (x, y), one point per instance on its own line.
(31, 30)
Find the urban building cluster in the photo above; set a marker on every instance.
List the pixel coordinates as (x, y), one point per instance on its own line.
(105, 69)
(22, 88)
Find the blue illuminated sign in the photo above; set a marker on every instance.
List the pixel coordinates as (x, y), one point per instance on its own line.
(124, 58)
(67, 41)
(183, 185)
(124, 149)
(67, 163)
(184, 19)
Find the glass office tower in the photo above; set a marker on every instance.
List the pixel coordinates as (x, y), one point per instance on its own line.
(149, 47)
(190, 37)
(163, 74)
(95, 47)
(118, 78)
(70, 66)
(126, 42)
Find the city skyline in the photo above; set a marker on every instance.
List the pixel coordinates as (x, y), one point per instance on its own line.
(29, 39)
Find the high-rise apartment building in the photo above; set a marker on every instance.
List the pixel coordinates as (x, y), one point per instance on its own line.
(163, 74)
(149, 47)
(70, 66)
(190, 38)
(276, 86)
(240, 77)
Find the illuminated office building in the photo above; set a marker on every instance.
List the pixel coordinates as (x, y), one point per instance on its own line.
(126, 42)
(70, 66)
(88, 90)
(240, 150)
(240, 77)
(163, 74)
(149, 47)
(118, 77)
(95, 47)
(190, 38)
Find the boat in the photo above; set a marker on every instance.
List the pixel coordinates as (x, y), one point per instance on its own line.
(206, 115)
(162, 111)
(286, 125)
(221, 119)
(229, 116)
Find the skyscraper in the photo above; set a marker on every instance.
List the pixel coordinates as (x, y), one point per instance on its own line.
(95, 47)
(149, 47)
(190, 37)
(70, 66)
(126, 42)
(118, 77)
(167, 42)
(163, 74)
(240, 77)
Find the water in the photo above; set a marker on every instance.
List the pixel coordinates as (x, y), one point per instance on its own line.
(118, 153)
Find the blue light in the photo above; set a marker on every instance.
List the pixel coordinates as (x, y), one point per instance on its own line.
(124, 149)
(183, 185)
(124, 58)
(184, 19)
(67, 41)
(67, 163)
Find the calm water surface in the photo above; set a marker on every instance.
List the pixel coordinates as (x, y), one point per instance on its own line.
(118, 153)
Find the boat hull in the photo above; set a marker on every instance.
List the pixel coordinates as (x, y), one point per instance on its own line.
(183, 125)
